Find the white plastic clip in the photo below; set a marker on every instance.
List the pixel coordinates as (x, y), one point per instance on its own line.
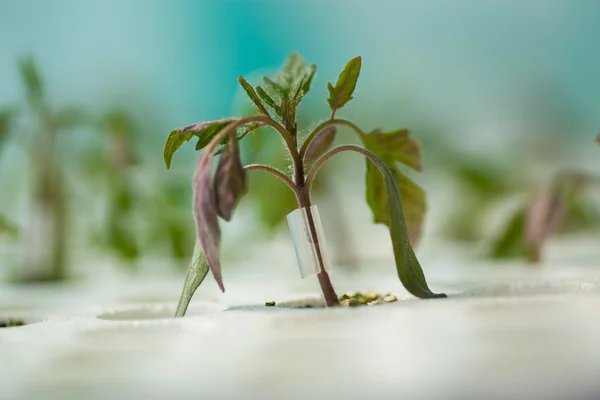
(306, 254)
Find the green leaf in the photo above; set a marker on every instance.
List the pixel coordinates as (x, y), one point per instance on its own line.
(174, 142)
(253, 96)
(309, 77)
(31, 79)
(342, 92)
(197, 271)
(205, 131)
(274, 87)
(397, 146)
(267, 99)
(288, 86)
(409, 270)
(413, 200)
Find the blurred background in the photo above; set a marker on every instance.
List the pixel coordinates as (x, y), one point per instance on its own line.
(502, 95)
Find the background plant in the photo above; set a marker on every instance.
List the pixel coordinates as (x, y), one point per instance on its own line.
(38, 126)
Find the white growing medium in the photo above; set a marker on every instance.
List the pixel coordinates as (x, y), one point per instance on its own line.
(505, 332)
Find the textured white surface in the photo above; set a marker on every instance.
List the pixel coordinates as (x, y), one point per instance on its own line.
(504, 332)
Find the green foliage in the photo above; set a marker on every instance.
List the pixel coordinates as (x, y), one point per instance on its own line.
(395, 147)
(284, 91)
(205, 131)
(407, 265)
(254, 97)
(342, 92)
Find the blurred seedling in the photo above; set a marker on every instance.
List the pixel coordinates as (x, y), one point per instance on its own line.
(560, 208)
(217, 196)
(37, 126)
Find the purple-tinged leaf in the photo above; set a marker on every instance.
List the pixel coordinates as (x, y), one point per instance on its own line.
(205, 215)
(229, 181)
(320, 144)
(549, 208)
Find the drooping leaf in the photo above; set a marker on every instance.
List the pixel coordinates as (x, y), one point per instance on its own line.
(253, 96)
(409, 270)
(197, 271)
(397, 146)
(320, 144)
(205, 131)
(341, 93)
(413, 199)
(31, 78)
(205, 215)
(174, 142)
(229, 181)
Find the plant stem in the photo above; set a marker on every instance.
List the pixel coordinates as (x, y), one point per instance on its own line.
(331, 298)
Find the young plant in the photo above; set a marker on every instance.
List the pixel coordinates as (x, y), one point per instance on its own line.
(217, 196)
(558, 209)
(47, 236)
